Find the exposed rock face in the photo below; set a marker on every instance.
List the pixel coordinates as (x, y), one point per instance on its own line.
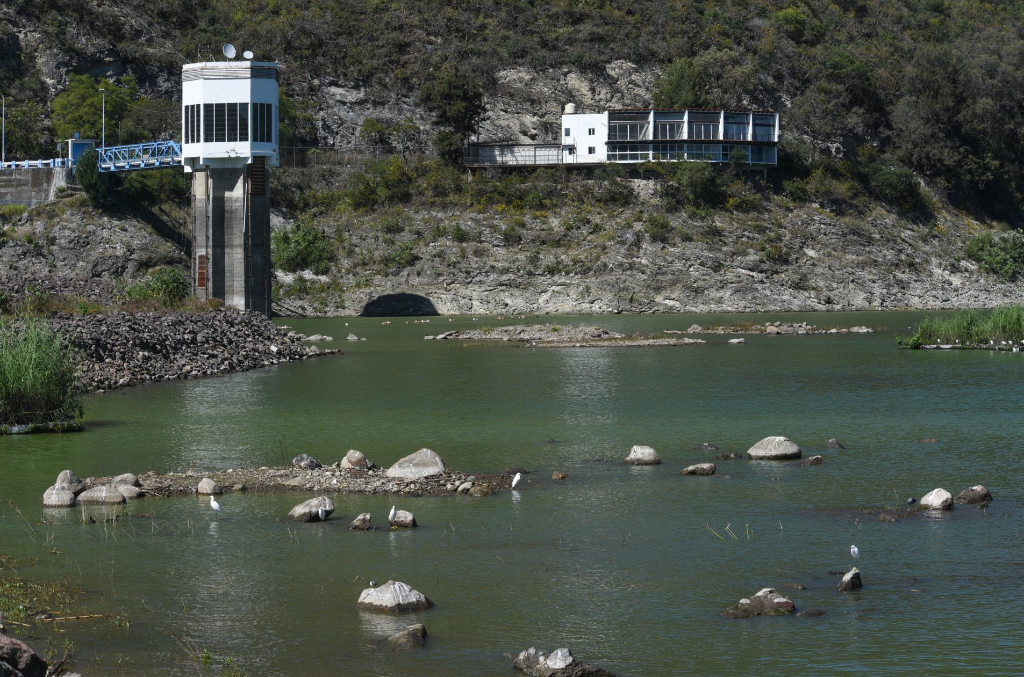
(126, 478)
(834, 444)
(774, 449)
(413, 637)
(354, 459)
(361, 523)
(641, 455)
(937, 499)
(69, 480)
(17, 659)
(976, 494)
(393, 597)
(404, 519)
(851, 580)
(559, 663)
(207, 486)
(58, 497)
(699, 469)
(306, 462)
(103, 495)
(309, 511)
(423, 463)
(767, 602)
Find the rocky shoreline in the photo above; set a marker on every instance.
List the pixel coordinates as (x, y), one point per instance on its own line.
(771, 328)
(562, 336)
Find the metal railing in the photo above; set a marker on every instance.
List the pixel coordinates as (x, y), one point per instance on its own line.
(140, 156)
(35, 164)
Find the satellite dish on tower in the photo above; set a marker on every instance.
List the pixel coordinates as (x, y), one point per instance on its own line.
(229, 50)
(247, 55)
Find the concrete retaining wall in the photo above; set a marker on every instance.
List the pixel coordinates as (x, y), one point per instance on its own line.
(31, 187)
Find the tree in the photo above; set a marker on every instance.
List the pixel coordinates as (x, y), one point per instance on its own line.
(455, 99)
(79, 108)
(680, 86)
(87, 173)
(26, 139)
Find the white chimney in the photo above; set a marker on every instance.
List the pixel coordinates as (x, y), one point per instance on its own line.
(570, 109)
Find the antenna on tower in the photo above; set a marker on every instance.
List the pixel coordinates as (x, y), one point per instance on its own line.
(229, 50)
(247, 55)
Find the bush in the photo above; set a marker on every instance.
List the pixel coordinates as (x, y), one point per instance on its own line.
(87, 173)
(1002, 256)
(511, 235)
(896, 186)
(693, 184)
(303, 247)
(37, 375)
(383, 183)
(165, 287)
(658, 228)
(460, 234)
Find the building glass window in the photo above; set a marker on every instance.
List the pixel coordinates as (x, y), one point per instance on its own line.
(736, 131)
(703, 130)
(207, 123)
(243, 122)
(668, 130)
(627, 131)
(220, 122)
(568, 132)
(232, 122)
(591, 150)
(590, 132)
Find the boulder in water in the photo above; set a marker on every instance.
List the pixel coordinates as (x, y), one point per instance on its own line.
(558, 475)
(480, 490)
(413, 637)
(641, 455)
(361, 523)
(19, 660)
(559, 663)
(309, 511)
(58, 496)
(69, 480)
(404, 519)
(811, 613)
(393, 597)
(813, 460)
(776, 448)
(699, 469)
(207, 486)
(127, 478)
(737, 341)
(101, 495)
(851, 580)
(354, 459)
(767, 602)
(306, 462)
(351, 337)
(422, 463)
(834, 444)
(937, 499)
(695, 329)
(729, 457)
(707, 446)
(976, 494)
(129, 491)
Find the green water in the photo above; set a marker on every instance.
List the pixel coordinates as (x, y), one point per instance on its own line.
(618, 563)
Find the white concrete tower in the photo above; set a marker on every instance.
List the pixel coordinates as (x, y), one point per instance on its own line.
(229, 139)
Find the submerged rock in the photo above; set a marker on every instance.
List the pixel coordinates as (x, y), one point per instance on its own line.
(699, 469)
(354, 459)
(937, 499)
(207, 486)
(361, 523)
(729, 457)
(102, 495)
(306, 462)
(58, 497)
(795, 586)
(834, 444)
(775, 448)
(851, 580)
(813, 460)
(767, 602)
(707, 446)
(413, 637)
(976, 494)
(558, 475)
(642, 455)
(393, 597)
(480, 490)
(811, 613)
(69, 480)
(559, 663)
(19, 660)
(422, 463)
(309, 511)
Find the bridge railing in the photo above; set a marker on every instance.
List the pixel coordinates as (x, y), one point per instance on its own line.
(140, 156)
(35, 164)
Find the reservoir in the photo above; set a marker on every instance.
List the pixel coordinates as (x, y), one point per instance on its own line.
(629, 567)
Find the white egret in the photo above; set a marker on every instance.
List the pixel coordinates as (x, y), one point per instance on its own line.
(515, 480)
(321, 513)
(214, 504)
(391, 515)
(855, 553)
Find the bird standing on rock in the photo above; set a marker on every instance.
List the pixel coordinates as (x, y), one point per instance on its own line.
(214, 504)
(855, 553)
(515, 480)
(391, 516)
(321, 513)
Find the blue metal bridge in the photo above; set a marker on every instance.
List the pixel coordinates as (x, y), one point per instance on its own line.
(135, 157)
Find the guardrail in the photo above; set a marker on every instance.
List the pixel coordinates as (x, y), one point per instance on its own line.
(140, 156)
(35, 164)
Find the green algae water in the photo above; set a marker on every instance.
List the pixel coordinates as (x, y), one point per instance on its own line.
(628, 566)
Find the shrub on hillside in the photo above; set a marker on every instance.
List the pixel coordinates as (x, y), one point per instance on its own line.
(1000, 255)
(164, 287)
(302, 247)
(693, 184)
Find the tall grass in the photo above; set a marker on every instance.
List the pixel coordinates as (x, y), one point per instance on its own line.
(970, 327)
(37, 375)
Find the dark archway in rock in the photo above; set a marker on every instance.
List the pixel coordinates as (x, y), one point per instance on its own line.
(396, 305)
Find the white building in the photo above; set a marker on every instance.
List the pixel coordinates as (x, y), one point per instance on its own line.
(631, 135)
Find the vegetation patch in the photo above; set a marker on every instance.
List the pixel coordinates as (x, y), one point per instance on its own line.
(969, 328)
(1002, 255)
(37, 375)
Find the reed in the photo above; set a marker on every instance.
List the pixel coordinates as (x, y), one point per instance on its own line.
(969, 327)
(37, 375)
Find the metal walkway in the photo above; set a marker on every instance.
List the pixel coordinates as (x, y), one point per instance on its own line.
(135, 157)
